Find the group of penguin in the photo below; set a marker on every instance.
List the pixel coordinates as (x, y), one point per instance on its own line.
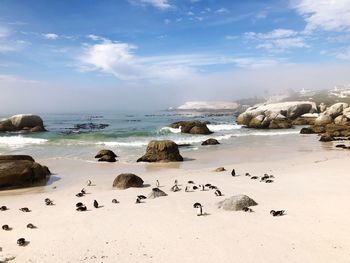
(265, 178)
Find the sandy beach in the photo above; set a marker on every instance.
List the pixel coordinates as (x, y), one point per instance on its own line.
(312, 188)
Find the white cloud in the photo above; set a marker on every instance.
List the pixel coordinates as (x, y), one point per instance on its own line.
(50, 36)
(222, 11)
(120, 60)
(160, 4)
(4, 32)
(330, 15)
(277, 40)
(231, 37)
(7, 44)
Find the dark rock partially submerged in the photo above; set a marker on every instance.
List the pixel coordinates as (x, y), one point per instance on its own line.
(161, 151)
(21, 171)
(106, 156)
(127, 180)
(210, 141)
(192, 127)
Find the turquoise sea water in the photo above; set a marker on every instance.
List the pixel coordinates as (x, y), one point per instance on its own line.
(129, 133)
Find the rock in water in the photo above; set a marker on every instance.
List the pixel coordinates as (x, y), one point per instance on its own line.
(236, 203)
(323, 120)
(210, 141)
(20, 171)
(20, 122)
(156, 192)
(124, 181)
(106, 156)
(192, 127)
(161, 151)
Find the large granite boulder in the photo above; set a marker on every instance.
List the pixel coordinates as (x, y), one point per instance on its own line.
(346, 113)
(341, 120)
(28, 122)
(210, 141)
(156, 192)
(275, 115)
(106, 156)
(236, 203)
(127, 180)
(21, 171)
(323, 120)
(336, 109)
(306, 119)
(192, 127)
(161, 151)
(322, 107)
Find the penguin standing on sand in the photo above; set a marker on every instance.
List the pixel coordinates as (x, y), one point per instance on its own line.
(202, 187)
(88, 183)
(31, 226)
(247, 209)
(186, 189)
(95, 204)
(21, 242)
(81, 208)
(3, 208)
(175, 182)
(233, 173)
(199, 208)
(218, 193)
(24, 209)
(48, 201)
(115, 201)
(157, 183)
(277, 213)
(6, 227)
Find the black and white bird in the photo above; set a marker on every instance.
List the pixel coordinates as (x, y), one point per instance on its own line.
(31, 226)
(115, 201)
(141, 197)
(157, 183)
(202, 187)
(79, 204)
(218, 193)
(138, 200)
(195, 187)
(233, 173)
(24, 209)
(175, 188)
(277, 213)
(247, 174)
(247, 209)
(83, 191)
(199, 208)
(21, 242)
(190, 182)
(79, 195)
(213, 187)
(254, 177)
(48, 201)
(88, 182)
(269, 181)
(3, 208)
(96, 204)
(207, 185)
(81, 208)
(6, 227)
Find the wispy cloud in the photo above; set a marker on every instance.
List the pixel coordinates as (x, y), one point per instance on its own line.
(7, 44)
(344, 54)
(222, 11)
(160, 4)
(7, 79)
(330, 15)
(50, 36)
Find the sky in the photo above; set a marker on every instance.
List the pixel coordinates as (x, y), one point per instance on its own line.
(85, 55)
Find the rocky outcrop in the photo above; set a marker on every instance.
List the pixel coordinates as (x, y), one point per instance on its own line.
(210, 141)
(106, 156)
(306, 119)
(192, 127)
(236, 203)
(127, 180)
(161, 151)
(21, 171)
(323, 120)
(22, 122)
(336, 109)
(220, 169)
(156, 192)
(275, 115)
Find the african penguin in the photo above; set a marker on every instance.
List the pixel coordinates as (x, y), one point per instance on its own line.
(3, 208)
(88, 182)
(31, 226)
(21, 242)
(218, 193)
(233, 173)
(277, 213)
(115, 201)
(157, 183)
(95, 204)
(24, 209)
(81, 208)
(199, 208)
(6, 227)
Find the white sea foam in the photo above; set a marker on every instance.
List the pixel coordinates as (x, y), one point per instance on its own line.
(124, 144)
(172, 130)
(223, 127)
(20, 141)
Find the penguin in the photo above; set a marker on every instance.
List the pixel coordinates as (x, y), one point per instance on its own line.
(31, 226)
(88, 183)
(271, 176)
(269, 181)
(186, 189)
(175, 182)
(233, 173)
(138, 200)
(83, 191)
(24, 209)
(277, 213)
(190, 182)
(195, 187)
(79, 204)
(21, 242)
(247, 209)
(218, 193)
(175, 188)
(207, 185)
(213, 187)
(3, 208)
(199, 209)
(48, 201)
(79, 195)
(6, 227)
(157, 183)
(95, 204)
(254, 177)
(247, 174)
(81, 208)
(202, 187)
(141, 197)
(115, 201)
(264, 178)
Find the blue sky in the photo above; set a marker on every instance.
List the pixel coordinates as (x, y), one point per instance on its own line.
(165, 52)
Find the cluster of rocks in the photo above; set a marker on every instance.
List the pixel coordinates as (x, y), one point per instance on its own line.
(22, 122)
(106, 156)
(192, 127)
(85, 128)
(281, 115)
(333, 123)
(21, 171)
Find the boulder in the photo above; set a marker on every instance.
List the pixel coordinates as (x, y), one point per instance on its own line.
(192, 127)
(280, 124)
(306, 131)
(106, 156)
(258, 122)
(338, 130)
(127, 180)
(156, 192)
(161, 151)
(336, 109)
(326, 138)
(210, 141)
(323, 120)
(346, 113)
(21, 171)
(236, 203)
(340, 120)
(20, 122)
(322, 107)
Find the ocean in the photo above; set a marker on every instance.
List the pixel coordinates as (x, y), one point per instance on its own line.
(128, 134)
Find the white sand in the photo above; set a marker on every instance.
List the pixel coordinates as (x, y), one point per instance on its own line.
(312, 188)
